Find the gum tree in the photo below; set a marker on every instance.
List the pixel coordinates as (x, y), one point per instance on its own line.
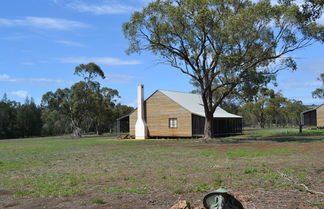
(220, 44)
(79, 105)
(319, 92)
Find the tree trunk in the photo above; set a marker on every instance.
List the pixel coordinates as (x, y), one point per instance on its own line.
(208, 130)
(77, 132)
(262, 120)
(97, 129)
(75, 129)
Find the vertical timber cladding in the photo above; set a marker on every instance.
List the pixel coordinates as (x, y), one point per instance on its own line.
(158, 110)
(320, 116)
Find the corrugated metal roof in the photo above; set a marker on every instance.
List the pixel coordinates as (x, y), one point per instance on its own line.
(193, 103)
(315, 108)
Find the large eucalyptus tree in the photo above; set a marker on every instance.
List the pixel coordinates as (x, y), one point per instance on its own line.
(220, 44)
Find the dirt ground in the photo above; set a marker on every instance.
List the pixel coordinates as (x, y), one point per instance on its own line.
(281, 196)
(257, 199)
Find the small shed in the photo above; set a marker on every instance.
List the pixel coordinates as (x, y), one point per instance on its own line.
(178, 114)
(314, 117)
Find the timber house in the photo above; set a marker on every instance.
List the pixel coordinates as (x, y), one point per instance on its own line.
(314, 117)
(174, 114)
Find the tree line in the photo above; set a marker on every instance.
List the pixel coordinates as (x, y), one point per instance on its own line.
(267, 109)
(85, 107)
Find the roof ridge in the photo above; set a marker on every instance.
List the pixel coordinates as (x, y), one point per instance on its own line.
(312, 109)
(178, 92)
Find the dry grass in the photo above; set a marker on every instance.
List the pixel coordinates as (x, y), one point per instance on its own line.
(103, 169)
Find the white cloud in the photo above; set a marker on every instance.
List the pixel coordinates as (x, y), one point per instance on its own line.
(293, 84)
(27, 63)
(13, 37)
(102, 9)
(43, 23)
(46, 80)
(21, 93)
(119, 78)
(7, 78)
(99, 60)
(70, 43)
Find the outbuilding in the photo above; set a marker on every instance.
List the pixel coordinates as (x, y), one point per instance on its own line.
(314, 117)
(175, 114)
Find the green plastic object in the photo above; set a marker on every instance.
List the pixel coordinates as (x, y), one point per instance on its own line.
(220, 199)
(221, 190)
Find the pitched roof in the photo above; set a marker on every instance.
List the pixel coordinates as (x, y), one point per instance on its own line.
(315, 108)
(193, 103)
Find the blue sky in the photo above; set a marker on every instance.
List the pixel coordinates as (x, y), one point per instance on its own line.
(41, 42)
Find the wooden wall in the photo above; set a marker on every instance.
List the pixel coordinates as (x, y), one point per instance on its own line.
(320, 116)
(158, 109)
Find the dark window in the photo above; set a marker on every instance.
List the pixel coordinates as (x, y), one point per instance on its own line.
(173, 123)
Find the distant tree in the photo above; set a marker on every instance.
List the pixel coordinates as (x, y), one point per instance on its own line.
(272, 108)
(19, 120)
(319, 92)
(60, 102)
(8, 118)
(29, 120)
(123, 110)
(105, 102)
(220, 44)
(293, 110)
(85, 107)
(275, 110)
(256, 110)
(89, 72)
(54, 123)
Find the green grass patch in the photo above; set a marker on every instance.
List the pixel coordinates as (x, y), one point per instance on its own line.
(139, 190)
(218, 181)
(250, 171)
(267, 132)
(49, 186)
(200, 187)
(210, 153)
(12, 165)
(98, 201)
(318, 205)
(250, 152)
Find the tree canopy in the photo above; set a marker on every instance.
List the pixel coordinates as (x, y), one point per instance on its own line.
(84, 107)
(319, 92)
(222, 44)
(89, 71)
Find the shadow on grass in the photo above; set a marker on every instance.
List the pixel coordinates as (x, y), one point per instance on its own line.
(245, 139)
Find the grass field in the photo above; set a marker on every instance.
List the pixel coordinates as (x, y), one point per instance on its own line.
(100, 172)
(283, 132)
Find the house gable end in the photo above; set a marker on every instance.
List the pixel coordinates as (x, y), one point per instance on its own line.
(159, 109)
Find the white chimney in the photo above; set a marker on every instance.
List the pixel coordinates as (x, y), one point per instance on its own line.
(140, 126)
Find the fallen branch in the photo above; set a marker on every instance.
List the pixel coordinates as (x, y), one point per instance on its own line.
(298, 184)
